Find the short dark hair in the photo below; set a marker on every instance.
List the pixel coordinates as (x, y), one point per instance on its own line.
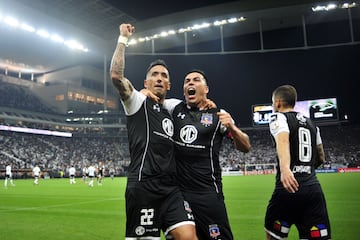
(155, 63)
(287, 93)
(198, 71)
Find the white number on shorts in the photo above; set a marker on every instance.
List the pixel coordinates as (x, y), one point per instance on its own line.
(147, 216)
(304, 145)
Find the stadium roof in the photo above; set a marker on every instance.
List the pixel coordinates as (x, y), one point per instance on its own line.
(95, 23)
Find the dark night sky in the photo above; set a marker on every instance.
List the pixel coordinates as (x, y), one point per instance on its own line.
(238, 81)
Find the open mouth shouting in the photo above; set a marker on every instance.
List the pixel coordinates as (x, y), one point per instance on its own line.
(191, 91)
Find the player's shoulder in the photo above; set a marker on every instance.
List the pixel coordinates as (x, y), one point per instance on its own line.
(277, 116)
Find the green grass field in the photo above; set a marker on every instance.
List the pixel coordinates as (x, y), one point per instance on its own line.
(57, 210)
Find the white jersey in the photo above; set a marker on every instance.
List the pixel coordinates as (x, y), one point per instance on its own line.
(91, 171)
(72, 171)
(8, 170)
(36, 171)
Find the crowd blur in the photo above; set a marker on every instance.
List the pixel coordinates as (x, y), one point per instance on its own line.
(57, 154)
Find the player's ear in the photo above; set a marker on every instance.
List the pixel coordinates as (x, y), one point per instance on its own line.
(207, 89)
(145, 84)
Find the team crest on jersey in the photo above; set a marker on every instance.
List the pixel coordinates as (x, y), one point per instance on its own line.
(168, 127)
(206, 119)
(214, 231)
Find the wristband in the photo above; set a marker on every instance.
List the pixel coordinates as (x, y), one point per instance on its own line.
(123, 40)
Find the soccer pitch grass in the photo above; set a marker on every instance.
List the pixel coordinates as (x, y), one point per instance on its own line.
(57, 210)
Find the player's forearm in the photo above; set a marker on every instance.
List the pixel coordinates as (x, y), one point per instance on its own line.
(117, 72)
(241, 140)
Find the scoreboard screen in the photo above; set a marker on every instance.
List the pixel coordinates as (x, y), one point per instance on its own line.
(319, 110)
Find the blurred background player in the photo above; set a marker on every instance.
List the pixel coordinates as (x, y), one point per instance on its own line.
(8, 175)
(112, 172)
(91, 172)
(72, 172)
(85, 173)
(100, 173)
(36, 174)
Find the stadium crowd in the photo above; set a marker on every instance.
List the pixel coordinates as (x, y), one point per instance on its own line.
(57, 154)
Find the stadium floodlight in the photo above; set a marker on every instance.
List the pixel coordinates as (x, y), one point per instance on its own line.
(200, 26)
(74, 44)
(348, 5)
(188, 29)
(27, 27)
(164, 34)
(330, 6)
(11, 21)
(171, 32)
(232, 20)
(43, 33)
(57, 38)
(132, 42)
(218, 23)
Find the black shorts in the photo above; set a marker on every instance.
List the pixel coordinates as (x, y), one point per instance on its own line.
(152, 206)
(210, 215)
(305, 208)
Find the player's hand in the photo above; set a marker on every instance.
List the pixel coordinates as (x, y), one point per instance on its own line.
(126, 29)
(289, 182)
(208, 104)
(225, 119)
(149, 94)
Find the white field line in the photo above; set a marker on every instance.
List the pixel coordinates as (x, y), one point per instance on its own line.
(9, 210)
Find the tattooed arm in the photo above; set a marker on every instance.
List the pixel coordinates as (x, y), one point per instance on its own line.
(117, 66)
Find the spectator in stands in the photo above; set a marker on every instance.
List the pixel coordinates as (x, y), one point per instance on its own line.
(298, 198)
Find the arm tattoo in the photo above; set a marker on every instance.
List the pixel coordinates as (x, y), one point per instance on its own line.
(117, 67)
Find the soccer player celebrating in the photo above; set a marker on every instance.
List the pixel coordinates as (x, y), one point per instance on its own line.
(298, 198)
(153, 200)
